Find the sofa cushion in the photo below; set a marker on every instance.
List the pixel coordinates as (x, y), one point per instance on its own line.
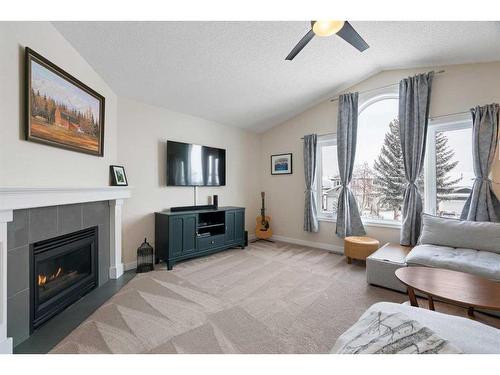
(460, 233)
(481, 263)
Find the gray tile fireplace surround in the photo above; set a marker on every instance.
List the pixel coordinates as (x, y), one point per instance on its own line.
(37, 224)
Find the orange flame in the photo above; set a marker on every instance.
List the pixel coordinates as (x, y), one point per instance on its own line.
(42, 279)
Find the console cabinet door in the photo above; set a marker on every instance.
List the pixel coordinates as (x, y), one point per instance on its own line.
(182, 230)
(189, 234)
(230, 221)
(239, 226)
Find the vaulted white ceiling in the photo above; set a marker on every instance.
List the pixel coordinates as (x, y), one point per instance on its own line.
(235, 73)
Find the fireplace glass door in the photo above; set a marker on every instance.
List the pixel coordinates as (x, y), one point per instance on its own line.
(59, 273)
(62, 270)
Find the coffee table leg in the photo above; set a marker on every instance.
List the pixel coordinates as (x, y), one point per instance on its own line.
(431, 302)
(413, 299)
(470, 312)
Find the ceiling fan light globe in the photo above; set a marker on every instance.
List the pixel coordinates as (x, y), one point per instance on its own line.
(326, 28)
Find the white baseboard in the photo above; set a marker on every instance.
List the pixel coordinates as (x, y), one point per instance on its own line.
(116, 272)
(130, 266)
(133, 265)
(6, 346)
(319, 245)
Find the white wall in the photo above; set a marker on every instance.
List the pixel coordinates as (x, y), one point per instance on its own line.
(458, 89)
(142, 135)
(25, 163)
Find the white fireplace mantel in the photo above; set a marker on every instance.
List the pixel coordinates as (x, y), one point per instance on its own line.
(16, 198)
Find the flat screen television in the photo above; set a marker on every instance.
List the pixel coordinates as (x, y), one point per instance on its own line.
(195, 165)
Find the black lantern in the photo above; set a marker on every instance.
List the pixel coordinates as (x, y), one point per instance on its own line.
(145, 258)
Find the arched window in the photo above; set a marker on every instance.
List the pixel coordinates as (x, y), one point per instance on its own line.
(378, 175)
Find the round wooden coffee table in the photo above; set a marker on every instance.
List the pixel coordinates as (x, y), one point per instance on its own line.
(457, 288)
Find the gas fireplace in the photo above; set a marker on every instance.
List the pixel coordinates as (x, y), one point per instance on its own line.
(63, 269)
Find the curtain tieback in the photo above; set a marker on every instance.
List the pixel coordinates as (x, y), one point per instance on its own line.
(486, 179)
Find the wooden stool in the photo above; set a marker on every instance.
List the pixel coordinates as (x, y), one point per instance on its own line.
(359, 247)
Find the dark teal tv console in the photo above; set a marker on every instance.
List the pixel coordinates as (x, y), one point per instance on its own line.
(189, 234)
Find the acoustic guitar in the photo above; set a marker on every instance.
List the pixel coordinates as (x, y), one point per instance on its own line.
(263, 228)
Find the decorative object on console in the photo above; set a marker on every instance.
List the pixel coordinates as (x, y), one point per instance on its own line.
(118, 176)
(281, 164)
(61, 111)
(145, 258)
(262, 227)
(215, 202)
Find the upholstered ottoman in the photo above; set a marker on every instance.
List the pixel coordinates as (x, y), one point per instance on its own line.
(383, 263)
(359, 247)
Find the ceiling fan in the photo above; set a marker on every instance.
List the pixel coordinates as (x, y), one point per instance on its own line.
(327, 28)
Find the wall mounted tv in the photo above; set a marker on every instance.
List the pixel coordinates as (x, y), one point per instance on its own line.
(195, 165)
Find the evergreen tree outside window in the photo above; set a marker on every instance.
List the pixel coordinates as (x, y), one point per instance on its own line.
(378, 177)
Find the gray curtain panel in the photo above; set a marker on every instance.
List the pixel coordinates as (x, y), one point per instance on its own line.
(310, 208)
(348, 219)
(414, 99)
(482, 204)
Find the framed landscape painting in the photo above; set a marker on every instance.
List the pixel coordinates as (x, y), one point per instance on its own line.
(281, 164)
(61, 111)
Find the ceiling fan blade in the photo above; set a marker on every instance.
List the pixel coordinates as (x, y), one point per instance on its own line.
(301, 44)
(352, 37)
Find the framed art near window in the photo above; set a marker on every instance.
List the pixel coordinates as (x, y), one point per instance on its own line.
(61, 111)
(118, 176)
(281, 164)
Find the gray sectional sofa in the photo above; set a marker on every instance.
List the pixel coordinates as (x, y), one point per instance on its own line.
(466, 246)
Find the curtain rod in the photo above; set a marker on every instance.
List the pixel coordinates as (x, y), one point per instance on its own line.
(380, 88)
(322, 135)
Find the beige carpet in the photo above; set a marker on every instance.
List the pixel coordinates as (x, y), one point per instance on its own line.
(268, 298)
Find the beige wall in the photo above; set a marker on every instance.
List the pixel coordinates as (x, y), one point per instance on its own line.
(142, 137)
(138, 142)
(25, 163)
(458, 89)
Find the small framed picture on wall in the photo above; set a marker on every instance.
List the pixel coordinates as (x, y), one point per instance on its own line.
(281, 164)
(118, 176)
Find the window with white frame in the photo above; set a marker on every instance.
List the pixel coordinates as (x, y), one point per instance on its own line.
(378, 175)
(328, 179)
(449, 171)
(378, 180)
